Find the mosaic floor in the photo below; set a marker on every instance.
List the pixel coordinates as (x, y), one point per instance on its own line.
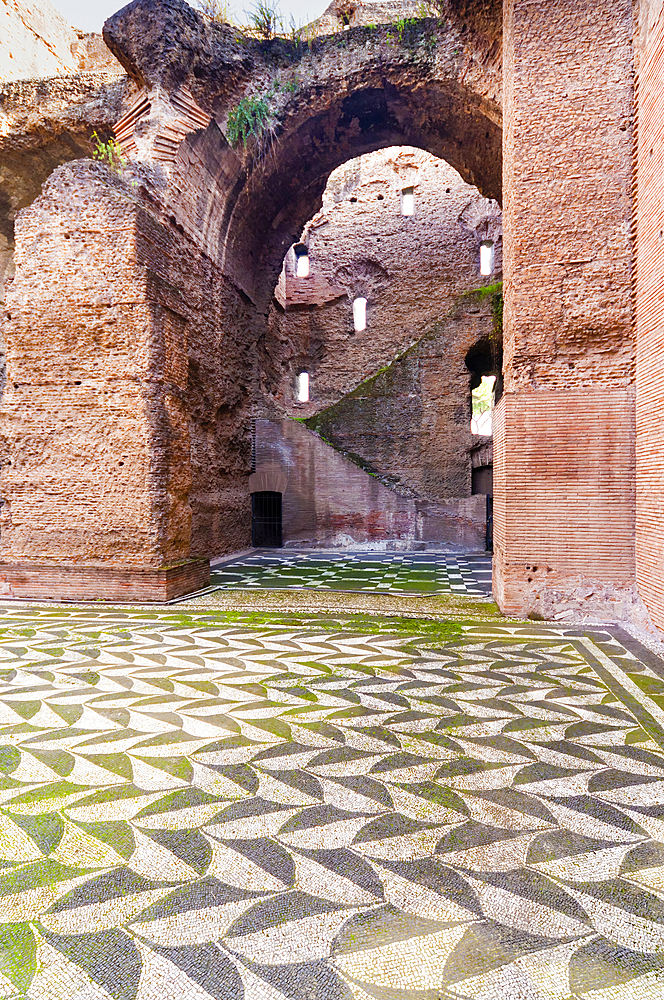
(408, 573)
(196, 807)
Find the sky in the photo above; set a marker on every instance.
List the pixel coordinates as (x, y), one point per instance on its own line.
(89, 15)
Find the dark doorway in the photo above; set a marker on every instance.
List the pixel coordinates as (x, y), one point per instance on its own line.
(483, 480)
(266, 520)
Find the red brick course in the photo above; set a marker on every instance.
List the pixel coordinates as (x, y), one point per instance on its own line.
(563, 513)
(564, 431)
(650, 312)
(103, 583)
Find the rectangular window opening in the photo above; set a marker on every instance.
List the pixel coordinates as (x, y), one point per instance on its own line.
(486, 258)
(408, 201)
(360, 314)
(482, 398)
(302, 266)
(303, 387)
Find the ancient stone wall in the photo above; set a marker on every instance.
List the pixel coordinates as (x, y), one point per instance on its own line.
(329, 502)
(564, 440)
(138, 300)
(57, 86)
(327, 102)
(650, 310)
(124, 406)
(139, 314)
(410, 424)
(36, 41)
(44, 123)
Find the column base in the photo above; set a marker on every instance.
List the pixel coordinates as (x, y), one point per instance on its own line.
(61, 582)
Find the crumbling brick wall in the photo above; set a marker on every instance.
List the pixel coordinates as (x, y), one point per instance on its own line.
(650, 309)
(126, 402)
(564, 434)
(410, 424)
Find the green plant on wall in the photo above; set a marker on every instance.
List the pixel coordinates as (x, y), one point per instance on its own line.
(217, 10)
(264, 20)
(399, 29)
(494, 293)
(249, 117)
(108, 151)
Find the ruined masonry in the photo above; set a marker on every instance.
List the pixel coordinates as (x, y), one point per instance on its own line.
(155, 320)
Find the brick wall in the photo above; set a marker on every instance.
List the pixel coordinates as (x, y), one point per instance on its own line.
(564, 462)
(650, 311)
(410, 423)
(330, 502)
(124, 419)
(562, 505)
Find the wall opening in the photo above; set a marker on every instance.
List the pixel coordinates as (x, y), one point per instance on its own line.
(266, 520)
(482, 397)
(303, 387)
(486, 257)
(408, 201)
(360, 314)
(302, 269)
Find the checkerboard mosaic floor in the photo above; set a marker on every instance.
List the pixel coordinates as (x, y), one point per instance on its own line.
(193, 807)
(408, 573)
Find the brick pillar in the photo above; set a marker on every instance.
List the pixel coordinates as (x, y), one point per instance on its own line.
(650, 312)
(564, 430)
(96, 465)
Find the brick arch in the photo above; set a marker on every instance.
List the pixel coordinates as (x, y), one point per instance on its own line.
(132, 370)
(433, 85)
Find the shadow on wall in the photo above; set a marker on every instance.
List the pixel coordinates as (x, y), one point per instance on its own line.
(331, 503)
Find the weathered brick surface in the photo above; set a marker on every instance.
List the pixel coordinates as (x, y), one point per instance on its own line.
(650, 311)
(137, 305)
(124, 422)
(437, 86)
(329, 502)
(564, 456)
(105, 583)
(139, 317)
(562, 513)
(410, 423)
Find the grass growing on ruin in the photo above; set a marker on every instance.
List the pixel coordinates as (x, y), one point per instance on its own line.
(109, 152)
(250, 117)
(493, 292)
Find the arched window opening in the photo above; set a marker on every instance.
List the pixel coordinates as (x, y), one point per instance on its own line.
(360, 314)
(303, 387)
(408, 201)
(482, 413)
(486, 257)
(301, 260)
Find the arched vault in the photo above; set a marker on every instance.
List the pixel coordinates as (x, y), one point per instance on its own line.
(430, 83)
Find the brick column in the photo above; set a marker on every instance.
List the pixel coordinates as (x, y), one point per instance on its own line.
(650, 312)
(564, 430)
(96, 457)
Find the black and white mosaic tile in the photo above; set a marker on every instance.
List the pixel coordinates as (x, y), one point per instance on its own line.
(191, 808)
(409, 573)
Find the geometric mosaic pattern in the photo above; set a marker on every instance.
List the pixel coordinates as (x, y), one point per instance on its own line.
(195, 808)
(392, 573)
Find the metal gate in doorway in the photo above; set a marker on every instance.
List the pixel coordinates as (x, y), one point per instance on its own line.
(266, 532)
